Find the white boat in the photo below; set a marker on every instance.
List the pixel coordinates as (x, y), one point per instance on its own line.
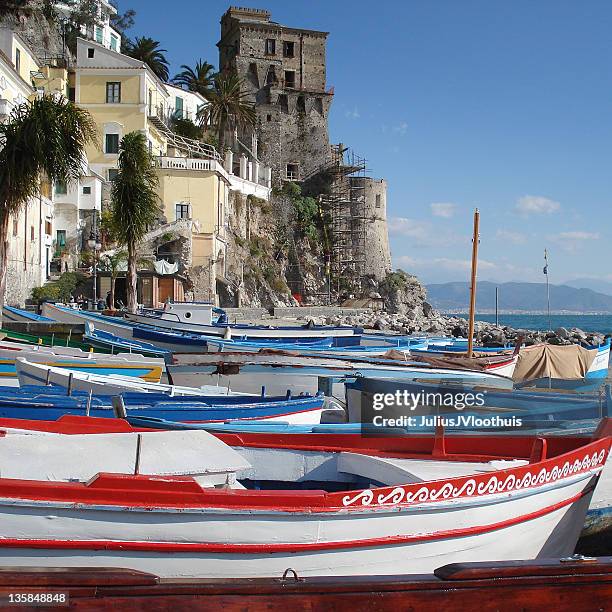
(526, 505)
(129, 364)
(281, 370)
(29, 373)
(197, 317)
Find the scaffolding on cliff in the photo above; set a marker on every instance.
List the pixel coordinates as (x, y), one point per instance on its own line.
(343, 199)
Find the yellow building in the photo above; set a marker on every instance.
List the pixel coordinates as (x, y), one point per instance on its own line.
(124, 95)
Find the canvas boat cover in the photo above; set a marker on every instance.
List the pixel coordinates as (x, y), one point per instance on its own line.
(569, 362)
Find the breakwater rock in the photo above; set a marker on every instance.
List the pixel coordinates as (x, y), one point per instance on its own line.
(434, 323)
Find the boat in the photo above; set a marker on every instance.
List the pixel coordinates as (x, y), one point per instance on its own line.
(10, 313)
(196, 317)
(320, 504)
(133, 365)
(572, 583)
(378, 347)
(280, 370)
(44, 403)
(583, 361)
(117, 344)
(29, 373)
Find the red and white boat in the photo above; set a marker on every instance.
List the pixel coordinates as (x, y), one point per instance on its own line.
(359, 506)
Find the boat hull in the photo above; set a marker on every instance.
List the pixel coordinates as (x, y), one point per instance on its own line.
(205, 543)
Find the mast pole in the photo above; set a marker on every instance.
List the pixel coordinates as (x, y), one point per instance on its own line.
(547, 288)
(473, 284)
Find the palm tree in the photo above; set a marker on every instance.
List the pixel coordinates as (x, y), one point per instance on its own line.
(147, 50)
(134, 202)
(113, 263)
(227, 107)
(45, 137)
(199, 79)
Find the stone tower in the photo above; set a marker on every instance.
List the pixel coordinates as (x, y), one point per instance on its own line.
(283, 71)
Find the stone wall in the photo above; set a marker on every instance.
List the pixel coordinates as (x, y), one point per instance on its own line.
(288, 88)
(378, 253)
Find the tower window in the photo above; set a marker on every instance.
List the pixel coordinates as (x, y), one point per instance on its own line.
(271, 76)
(293, 172)
(268, 118)
(290, 79)
(378, 200)
(288, 48)
(270, 46)
(301, 104)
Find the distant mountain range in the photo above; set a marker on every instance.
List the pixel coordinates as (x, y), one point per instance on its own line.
(600, 286)
(518, 297)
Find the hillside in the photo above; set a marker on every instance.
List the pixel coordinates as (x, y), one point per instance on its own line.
(527, 297)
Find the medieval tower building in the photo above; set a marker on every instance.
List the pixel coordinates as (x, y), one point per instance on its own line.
(283, 71)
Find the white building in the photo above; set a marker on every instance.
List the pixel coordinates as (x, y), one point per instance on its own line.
(184, 104)
(103, 32)
(31, 232)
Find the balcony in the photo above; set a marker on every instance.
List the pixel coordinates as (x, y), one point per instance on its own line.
(192, 164)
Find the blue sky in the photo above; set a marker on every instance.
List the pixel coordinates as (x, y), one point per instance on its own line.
(504, 106)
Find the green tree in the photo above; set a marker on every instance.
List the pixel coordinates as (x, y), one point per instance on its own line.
(134, 203)
(43, 137)
(147, 50)
(199, 79)
(227, 107)
(185, 127)
(113, 263)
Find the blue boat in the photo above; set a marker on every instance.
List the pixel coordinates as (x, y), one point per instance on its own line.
(49, 404)
(10, 313)
(117, 344)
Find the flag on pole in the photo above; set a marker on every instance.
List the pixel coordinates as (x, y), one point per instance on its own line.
(545, 262)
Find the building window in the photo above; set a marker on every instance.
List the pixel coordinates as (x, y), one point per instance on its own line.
(86, 190)
(301, 104)
(15, 227)
(47, 227)
(32, 233)
(60, 241)
(270, 46)
(112, 174)
(113, 93)
(114, 43)
(61, 188)
(17, 60)
(90, 52)
(178, 107)
(288, 48)
(72, 94)
(290, 78)
(183, 211)
(112, 143)
(293, 171)
(268, 118)
(99, 34)
(378, 200)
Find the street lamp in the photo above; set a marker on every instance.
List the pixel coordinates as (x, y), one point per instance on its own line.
(93, 242)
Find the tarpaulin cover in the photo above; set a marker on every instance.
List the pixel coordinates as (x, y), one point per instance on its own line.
(569, 362)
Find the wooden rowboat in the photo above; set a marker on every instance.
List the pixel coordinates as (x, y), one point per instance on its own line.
(521, 498)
